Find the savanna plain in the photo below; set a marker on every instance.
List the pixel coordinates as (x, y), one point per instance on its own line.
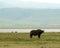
(23, 40)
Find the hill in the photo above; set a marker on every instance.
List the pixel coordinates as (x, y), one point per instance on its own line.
(29, 18)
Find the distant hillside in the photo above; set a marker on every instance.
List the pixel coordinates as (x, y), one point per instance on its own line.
(29, 18)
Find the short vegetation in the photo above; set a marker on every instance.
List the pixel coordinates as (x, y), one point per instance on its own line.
(23, 40)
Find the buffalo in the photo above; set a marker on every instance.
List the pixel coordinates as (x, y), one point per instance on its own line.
(37, 32)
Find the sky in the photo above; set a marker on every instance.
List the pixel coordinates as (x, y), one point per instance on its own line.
(30, 3)
(43, 1)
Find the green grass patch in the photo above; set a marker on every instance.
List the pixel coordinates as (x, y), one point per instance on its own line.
(51, 38)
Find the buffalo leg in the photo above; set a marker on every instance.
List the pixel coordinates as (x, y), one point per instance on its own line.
(38, 36)
(30, 36)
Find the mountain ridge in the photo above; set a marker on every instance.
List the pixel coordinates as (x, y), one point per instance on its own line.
(29, 18)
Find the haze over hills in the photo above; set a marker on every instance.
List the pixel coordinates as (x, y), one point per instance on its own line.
(29, 14)
(29, 18)
(31, 5)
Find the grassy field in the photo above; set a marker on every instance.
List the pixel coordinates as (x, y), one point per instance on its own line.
(22, 40)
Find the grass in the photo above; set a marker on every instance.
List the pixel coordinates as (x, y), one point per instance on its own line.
(22, 40)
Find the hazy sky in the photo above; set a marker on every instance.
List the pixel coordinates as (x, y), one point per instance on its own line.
(19, 1)
(43, 1)
(30, 3)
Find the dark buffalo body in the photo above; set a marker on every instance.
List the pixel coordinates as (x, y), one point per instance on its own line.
(36, 32)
